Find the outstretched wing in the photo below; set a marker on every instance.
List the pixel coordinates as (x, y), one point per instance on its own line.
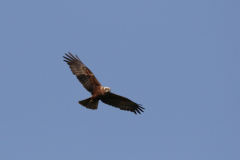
(121, 102)
(84, 75)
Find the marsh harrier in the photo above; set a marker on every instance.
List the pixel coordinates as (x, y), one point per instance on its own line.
(91, 84)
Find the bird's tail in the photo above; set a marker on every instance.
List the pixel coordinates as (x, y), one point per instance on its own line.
(89, 103)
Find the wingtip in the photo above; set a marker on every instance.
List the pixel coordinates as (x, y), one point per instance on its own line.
(139, 109)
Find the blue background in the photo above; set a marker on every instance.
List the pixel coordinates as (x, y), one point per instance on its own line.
(179, 59)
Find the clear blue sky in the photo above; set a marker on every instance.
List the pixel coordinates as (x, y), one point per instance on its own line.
(179, 59)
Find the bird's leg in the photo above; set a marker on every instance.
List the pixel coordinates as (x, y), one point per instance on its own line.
(93, 96)
(90, 101)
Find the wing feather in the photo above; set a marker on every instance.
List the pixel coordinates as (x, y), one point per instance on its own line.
(83, 74)
(121, 102)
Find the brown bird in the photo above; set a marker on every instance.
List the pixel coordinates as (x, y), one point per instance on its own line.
(91, 84)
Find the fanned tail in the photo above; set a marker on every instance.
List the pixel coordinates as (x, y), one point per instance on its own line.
(89, 103)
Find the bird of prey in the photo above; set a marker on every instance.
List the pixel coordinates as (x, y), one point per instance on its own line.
(91, 84)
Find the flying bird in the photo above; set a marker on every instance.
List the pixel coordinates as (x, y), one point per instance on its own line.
(91, 84)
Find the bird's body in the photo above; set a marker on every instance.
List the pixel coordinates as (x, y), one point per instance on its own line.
(91, 84)
(98, 93)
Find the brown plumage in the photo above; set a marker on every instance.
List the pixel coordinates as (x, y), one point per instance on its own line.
(91, 84)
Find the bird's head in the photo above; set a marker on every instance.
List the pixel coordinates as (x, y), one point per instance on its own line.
(107, 89)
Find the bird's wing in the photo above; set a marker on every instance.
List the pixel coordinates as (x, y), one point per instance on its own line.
(121, 102)
(84, 75)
